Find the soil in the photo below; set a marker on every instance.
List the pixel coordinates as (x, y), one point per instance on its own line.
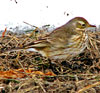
(79, 75)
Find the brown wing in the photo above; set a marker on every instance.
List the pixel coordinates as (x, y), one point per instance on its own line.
(58, 38)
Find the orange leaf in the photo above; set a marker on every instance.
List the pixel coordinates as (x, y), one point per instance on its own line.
(3, 33)
(50, 74)
(19, 73)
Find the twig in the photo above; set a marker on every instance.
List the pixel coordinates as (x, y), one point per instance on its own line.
(88, 87)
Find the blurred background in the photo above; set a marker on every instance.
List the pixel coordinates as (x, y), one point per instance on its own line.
(44, 12)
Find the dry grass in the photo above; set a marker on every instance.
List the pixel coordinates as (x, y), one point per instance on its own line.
(80, 75)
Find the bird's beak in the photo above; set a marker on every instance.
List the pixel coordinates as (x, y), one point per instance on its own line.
(91, 25)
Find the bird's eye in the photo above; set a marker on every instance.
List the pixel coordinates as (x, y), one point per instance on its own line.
(83, 25)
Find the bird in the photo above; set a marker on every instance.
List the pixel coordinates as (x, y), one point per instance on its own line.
(64, 42)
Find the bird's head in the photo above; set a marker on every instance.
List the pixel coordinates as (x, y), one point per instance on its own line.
(79, 23)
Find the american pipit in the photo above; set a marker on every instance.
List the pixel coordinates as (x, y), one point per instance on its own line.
(64, 42)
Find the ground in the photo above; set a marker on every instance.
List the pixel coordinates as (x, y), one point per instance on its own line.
(79, 75)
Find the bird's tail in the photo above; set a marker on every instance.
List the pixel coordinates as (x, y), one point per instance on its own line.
(25, 47)
(10, 50)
